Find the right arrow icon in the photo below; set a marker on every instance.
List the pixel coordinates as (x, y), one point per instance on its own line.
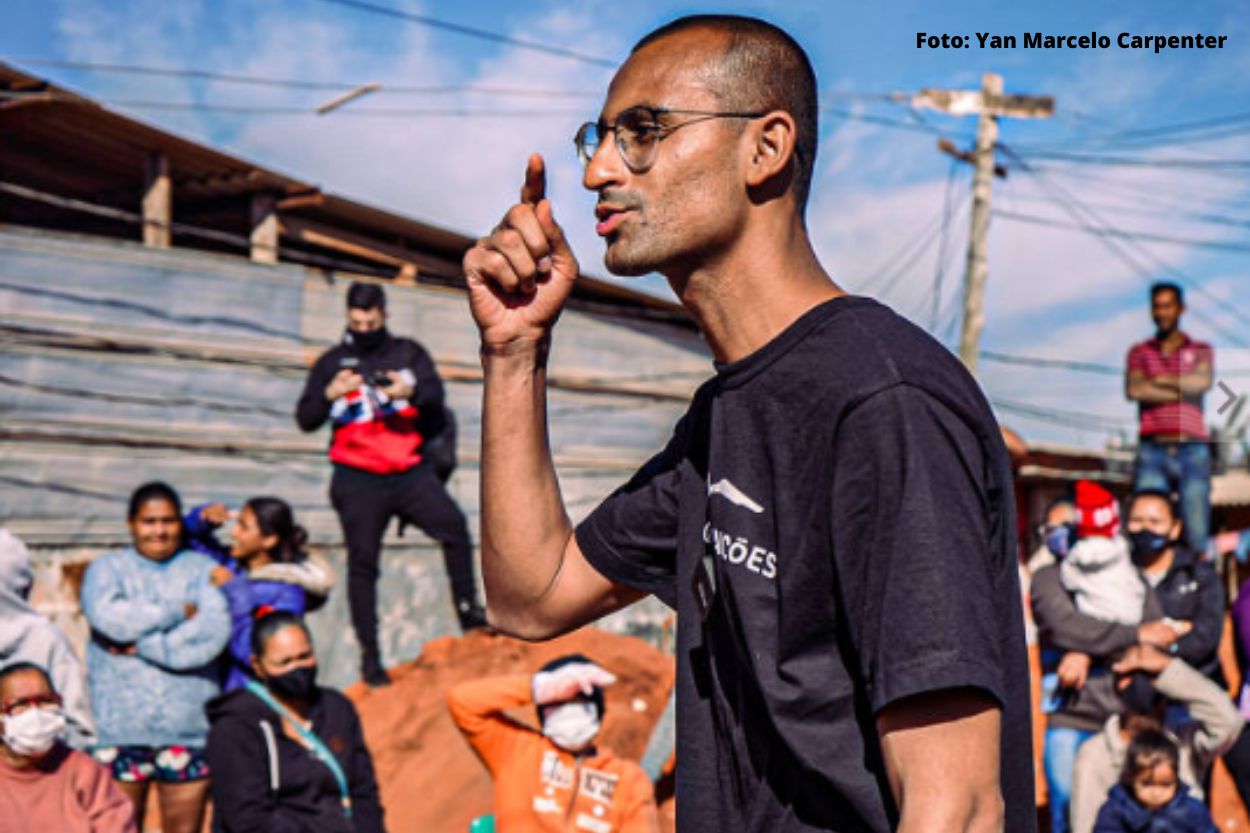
(1232, 397)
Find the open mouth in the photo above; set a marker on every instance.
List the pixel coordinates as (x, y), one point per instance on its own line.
(610, 217)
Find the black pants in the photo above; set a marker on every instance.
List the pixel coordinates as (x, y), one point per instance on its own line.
(365, 503)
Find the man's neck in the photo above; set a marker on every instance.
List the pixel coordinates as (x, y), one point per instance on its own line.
(1162, 564)
(1170, 340)
(746, 296)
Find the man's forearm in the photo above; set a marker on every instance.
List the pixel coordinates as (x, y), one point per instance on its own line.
(1153, 391)
(524, 525)
(941, 752)
(1193, 384)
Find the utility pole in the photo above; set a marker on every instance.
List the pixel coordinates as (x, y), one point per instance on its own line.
(988, 104)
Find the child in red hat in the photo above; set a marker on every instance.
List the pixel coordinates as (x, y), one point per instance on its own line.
(1098, 571)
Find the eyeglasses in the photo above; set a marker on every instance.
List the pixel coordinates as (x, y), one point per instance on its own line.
(639, 131)
(18, 705)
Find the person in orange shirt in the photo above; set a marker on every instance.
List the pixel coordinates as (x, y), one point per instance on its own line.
(558, 780)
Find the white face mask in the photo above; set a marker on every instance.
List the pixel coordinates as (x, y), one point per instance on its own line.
(34, 731)
(571, 726)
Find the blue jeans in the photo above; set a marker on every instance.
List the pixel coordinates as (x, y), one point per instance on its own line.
(1186, 469)
(1059, 762)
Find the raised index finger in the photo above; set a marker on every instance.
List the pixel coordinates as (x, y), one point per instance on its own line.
(535, 188)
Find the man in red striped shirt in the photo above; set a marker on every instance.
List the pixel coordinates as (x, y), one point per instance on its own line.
(1167, 376)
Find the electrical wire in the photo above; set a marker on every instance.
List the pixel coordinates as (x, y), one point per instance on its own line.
(1033, 219)
(472, 32)
(939, 266)
(1082, 214)
(297, 84)
(1212, 166)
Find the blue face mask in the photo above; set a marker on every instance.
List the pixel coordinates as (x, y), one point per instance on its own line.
(1059, 539)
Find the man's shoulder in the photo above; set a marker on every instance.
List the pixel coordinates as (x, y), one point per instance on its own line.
(1198, 344)
(865, 348)
(329, 355)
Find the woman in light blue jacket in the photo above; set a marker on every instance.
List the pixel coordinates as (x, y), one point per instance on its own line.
(157, 627)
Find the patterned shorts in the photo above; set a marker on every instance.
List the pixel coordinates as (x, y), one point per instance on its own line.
(166, 764)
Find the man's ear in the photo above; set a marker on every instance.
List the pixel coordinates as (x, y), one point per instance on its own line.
(774, 142)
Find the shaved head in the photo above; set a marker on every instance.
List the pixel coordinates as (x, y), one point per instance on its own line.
(761, 69)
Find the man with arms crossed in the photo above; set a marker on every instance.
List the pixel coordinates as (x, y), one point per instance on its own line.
(833, 517)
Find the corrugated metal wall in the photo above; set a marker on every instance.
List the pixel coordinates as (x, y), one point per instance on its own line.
(120, 364)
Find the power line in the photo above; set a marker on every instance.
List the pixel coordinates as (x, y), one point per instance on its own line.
(1056, 364)
(270, 110)
(1079, 365)
(1204, 165)
(1123, 235)
(1075, 209)
(939, 266)
(1065, 417)
(473, 32)
(298, 84)
(1139, 192)
(1196, 217)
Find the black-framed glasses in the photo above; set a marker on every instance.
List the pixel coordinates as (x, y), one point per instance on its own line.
(639, 131)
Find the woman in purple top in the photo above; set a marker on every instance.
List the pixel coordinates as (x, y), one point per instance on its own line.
(265, 569)
(1238, 758)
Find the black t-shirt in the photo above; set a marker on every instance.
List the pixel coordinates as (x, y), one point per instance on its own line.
(847, 490)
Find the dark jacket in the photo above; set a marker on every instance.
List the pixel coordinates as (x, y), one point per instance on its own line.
(1183, 814)
(1191, 591)
(294, 587)
(1061, 626)
(246, 739)
(371, 432)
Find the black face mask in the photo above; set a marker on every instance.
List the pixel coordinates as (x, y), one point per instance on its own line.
(367, 341)
(296, 684)
(1146, 545)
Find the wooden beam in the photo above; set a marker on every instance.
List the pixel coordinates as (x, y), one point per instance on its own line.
(329, 237)
(264, 237)
(157, 201)
(301, 200)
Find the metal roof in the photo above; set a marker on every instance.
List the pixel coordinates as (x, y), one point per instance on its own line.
(59, 142)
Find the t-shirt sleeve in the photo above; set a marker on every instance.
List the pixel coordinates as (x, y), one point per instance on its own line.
(1136, 361)
(917, 571)
(631, 537)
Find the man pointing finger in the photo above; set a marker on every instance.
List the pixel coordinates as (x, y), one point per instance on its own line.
(833, 517)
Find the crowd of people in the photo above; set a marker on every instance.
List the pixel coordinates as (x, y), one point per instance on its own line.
(202, 685)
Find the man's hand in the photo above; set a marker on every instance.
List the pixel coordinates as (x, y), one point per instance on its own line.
(344, 382)
(398, 388)
(189, 609)
(1073, 670)
(1158, 633)
(219, 576)
(215, 514)
(1145, 658)
(569, 681)
(521, 275)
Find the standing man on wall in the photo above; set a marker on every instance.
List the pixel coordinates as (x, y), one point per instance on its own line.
(833, 517)
(1167, 376)
(377, 390)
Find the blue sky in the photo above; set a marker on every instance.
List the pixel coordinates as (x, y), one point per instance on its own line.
(881, 191)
